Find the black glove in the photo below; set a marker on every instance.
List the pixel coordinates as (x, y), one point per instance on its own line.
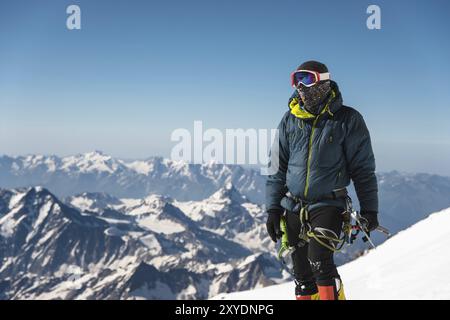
(372, 219)
(273, 226)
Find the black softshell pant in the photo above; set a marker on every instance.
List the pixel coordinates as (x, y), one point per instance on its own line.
(313, 263)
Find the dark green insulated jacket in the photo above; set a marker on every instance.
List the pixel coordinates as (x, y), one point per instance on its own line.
(318, 154)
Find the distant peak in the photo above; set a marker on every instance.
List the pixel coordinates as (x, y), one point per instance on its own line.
(153, 197)
(95, 153)
(39, 190)
(30, 195)
(228, 192)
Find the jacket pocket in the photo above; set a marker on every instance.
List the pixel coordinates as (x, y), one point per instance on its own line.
(329, 152)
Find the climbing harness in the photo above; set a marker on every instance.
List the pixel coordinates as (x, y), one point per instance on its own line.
(353, 224)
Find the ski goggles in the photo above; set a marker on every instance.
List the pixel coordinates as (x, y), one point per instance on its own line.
(307, 78)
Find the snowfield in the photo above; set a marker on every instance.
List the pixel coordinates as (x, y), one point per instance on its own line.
(412, 265)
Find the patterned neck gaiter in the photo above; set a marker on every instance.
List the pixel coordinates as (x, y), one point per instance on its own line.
(313, 97)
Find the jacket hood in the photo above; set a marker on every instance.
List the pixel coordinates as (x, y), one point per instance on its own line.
(331, 105)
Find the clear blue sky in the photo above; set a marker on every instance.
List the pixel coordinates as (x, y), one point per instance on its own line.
(139, 69)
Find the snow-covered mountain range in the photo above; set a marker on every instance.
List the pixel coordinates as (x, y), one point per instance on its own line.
(130, 249)
(405, 198)
(226, 213)
(98, 172)
(412, 265)
(156, 228)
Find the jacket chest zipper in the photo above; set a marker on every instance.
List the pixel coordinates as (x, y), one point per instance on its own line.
(308, 162)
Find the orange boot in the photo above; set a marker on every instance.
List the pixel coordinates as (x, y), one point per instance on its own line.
(327, 292)
(333, 292)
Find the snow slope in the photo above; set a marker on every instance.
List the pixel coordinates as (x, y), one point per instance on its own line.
(414, 264)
